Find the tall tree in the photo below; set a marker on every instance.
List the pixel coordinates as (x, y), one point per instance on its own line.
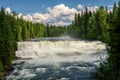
(6, 40)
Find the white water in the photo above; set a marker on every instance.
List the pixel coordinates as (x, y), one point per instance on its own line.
(57, 60)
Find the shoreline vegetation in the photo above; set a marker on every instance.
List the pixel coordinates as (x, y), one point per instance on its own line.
(100, 25)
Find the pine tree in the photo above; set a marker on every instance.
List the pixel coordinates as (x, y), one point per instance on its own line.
(6, 40)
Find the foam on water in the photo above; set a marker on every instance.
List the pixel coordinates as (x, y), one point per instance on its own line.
(57, 59)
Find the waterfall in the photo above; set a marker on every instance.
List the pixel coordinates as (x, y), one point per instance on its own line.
(57, 59)
(32, 49)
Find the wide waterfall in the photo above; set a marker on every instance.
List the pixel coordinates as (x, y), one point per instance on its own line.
(57, 59)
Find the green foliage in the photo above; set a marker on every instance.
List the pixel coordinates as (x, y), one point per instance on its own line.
(6, 40)
(14, 29)
(111, 70)
(91, 25)
(105, 26)
(10, 32)
(99, 25)
(1, 66)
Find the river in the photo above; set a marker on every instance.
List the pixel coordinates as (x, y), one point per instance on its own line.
(57, 59)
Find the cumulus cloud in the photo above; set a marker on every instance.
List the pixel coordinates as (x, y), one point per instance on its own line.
(41, 17)
(58, 15)
(8, 10)
(28, 18)
(80, 6)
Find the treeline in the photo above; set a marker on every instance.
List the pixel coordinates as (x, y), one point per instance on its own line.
(110, 69)
(103, 25)
(55, 31)
(13, 29)
(99, 25)
(90, 25)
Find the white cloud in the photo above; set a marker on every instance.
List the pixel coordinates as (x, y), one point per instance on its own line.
(58, 15)
(28, 18)
(80, 6)
(110, 10)
(19, 15)
(8, 10)
(61, 23)
(38, 17)
(93, 9)
(48, 9)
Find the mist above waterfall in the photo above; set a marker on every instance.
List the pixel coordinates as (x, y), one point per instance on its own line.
(57, 59)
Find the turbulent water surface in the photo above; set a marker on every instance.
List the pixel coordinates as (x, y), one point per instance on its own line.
(57, 59)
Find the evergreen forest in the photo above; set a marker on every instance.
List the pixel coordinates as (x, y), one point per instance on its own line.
(101, 25)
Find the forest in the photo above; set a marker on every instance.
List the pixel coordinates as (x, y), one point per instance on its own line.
(101, 25)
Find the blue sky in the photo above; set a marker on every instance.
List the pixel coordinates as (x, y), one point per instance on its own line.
(31, 6)
(43, 7)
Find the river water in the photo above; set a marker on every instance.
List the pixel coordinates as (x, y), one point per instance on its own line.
(57, 59)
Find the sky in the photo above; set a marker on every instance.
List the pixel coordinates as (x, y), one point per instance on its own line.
(57, 12)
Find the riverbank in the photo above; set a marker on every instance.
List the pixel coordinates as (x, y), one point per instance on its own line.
(6, 73)
(57, 60)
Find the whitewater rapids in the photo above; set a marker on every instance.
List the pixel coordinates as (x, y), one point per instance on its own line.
(57, 59)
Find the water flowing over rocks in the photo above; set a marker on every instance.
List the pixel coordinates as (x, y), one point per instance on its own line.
(57, 59)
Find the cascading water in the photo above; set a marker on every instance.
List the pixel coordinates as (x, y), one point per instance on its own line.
(57, 59)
